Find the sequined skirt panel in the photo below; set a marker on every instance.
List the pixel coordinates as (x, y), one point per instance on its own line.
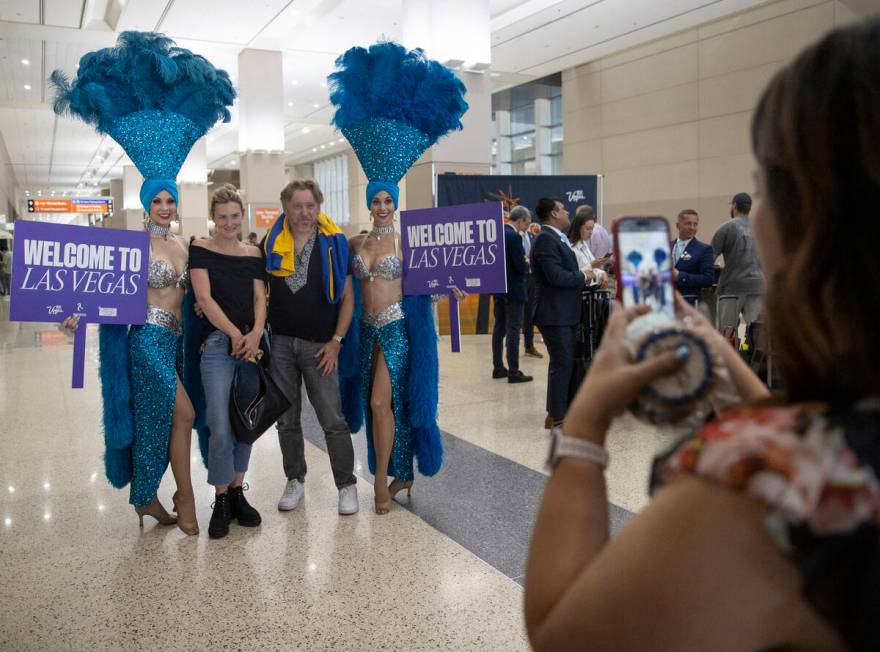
(392, 339)
(155, 357)
(392, 313)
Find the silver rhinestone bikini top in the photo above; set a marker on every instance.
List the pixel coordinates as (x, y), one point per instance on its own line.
(387, 268)
(161, 274)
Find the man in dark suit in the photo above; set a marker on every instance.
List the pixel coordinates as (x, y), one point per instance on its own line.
(560, 284)
(692, 260)
(509, 307)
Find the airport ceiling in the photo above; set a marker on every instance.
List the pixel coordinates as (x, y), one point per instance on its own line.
(529, 39)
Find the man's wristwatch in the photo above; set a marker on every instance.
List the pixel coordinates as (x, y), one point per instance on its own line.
(562, 446)
(338, 338)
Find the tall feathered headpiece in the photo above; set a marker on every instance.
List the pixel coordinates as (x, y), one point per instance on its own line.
(393, 105)
(152, 97)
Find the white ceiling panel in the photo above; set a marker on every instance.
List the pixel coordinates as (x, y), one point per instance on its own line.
(331, 26)
(229, 21)
(574, 31)
(498, 7)
(62, 13)
(20, 11)
(16, 75)
(141, 15)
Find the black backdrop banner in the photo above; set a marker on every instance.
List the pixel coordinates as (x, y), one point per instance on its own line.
(573, 190)
(510, 190)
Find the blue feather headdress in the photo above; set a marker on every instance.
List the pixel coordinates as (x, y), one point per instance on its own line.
(392, 106)
(152, 97)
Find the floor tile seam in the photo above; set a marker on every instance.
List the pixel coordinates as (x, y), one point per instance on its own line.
(439, 532)
(363, 475)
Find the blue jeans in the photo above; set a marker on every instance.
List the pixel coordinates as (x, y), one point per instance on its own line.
(292, 365)
(226, 455)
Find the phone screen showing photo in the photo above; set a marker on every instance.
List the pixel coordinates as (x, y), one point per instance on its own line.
(646, 265)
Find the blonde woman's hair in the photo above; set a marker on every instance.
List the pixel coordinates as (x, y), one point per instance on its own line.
(225, 194)
(302, 184)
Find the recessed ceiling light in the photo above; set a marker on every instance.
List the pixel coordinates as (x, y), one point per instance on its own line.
(27, 87)
(323, 146)
(341, 140)
(293, 82)
(306, 130)
(323, 84)
(313, 105)
(25, 62)
(314, 149)
(290, 104)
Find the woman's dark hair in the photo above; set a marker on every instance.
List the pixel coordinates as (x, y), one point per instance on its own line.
(574, 230)
(816, 136)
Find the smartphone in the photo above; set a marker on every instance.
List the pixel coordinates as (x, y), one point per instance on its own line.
(643, 261)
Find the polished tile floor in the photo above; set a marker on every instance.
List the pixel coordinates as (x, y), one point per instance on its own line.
(443, 572)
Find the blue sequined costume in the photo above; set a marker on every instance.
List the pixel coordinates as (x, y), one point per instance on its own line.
(154, 354)
(392, 104)
(155, 99)
(409, 343)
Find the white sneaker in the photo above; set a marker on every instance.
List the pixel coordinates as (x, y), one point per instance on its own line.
(293, 493)
(348, 500)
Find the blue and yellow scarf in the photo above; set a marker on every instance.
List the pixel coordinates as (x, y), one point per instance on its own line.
(279, 249)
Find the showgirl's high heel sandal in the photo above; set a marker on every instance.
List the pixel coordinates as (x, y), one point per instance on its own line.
(397, 486)
(186, 514)
(382, 507)
(154, 508)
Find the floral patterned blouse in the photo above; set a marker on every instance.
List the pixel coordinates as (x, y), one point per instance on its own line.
(817, 471)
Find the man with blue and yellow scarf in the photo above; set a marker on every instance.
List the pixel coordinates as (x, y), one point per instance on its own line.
(310, 308)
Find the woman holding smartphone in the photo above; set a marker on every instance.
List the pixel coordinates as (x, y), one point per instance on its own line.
(764, 529)
(229, 283)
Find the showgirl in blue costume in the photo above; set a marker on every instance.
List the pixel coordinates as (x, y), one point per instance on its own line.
(392, 105)
(155, 100)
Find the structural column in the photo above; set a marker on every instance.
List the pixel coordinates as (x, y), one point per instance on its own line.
(428, 24)
(261, 134)
(504, 144)
(131, 213)
(192, 182)
(543, 142)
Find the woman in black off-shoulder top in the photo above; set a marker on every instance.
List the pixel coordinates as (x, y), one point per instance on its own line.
(229, 282)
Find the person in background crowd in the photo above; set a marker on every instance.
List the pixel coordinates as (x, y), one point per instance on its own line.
(6, 270)
(310, 310)
(558, 312)
(741, 278)
(579, 236)
(773, 506)
(601, 243)
(509, 308)
(693, 261)
(252, 239)
(528, 238)
(228, 278)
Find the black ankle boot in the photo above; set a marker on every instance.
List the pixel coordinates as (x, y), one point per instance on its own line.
(241, 509)
(220, 518)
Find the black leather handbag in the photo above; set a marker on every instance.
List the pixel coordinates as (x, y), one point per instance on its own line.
(255, 401)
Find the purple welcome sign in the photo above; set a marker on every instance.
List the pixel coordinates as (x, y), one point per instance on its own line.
(97, 274)
(454, 246)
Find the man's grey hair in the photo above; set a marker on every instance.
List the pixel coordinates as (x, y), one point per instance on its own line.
(518, 213)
